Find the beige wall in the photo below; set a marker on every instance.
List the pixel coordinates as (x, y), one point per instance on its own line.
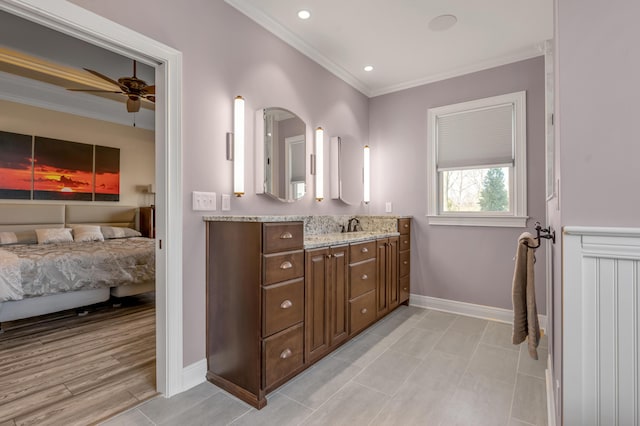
(137, 148)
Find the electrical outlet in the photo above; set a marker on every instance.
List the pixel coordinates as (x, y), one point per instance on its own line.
(226, 202)
(388, 208)
(203, 201)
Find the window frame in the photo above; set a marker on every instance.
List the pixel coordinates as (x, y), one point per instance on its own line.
(517, 217)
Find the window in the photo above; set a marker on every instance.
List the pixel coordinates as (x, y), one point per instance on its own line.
(476, 168)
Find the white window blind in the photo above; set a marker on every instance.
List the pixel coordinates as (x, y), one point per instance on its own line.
(480, 137)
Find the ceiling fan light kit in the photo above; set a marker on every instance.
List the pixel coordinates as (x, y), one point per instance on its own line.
(134, 88)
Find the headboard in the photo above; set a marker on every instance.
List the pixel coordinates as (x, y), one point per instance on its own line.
(22, 217)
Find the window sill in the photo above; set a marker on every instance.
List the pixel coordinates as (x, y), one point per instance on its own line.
(497, 221)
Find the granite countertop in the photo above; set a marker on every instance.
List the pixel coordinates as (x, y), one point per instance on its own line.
(264, 218)
(335, 238)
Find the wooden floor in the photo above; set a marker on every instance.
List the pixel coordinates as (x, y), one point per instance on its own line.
(65, 369)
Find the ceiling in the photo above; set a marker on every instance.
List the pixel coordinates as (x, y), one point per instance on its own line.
(394, 36)
(38, 65)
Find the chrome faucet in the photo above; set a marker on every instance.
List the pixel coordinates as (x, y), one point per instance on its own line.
(354, 224)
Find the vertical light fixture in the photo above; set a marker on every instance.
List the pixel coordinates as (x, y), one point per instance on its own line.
(319, 164)
(366, 196)
(238, 146)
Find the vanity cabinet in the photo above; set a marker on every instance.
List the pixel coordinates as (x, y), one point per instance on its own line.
(326, 286)
(274, 308)
(255, 306)
(362, 285)
(387, 294)
(404, 227)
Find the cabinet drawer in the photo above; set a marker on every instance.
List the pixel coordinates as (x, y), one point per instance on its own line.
(404, 226)
(282, 236)
(405, 263)
(282, 354)
(362, 311)
(405, 242)
(362, 278)
(405, 289)
(283, 306)
(282, 267)
(362, 251)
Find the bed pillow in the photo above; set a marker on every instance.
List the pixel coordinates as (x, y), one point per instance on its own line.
(111, 232)
(54, 235)
(19, 237)
(87, 233)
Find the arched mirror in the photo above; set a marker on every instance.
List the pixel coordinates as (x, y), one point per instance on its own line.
(346, 170)
(280, 154)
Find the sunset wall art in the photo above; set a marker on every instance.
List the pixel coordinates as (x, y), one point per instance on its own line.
(41, 168)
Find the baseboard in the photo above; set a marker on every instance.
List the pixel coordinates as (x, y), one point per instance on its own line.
(551, 400)
(194, 374)
(469, 309)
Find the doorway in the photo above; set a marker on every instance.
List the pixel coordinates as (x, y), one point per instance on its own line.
(75, 21)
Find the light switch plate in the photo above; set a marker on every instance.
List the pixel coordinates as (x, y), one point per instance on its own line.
(203, 201)
(226, 202)
(388, 207)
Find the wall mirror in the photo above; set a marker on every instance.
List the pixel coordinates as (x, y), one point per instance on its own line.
(280, 154)
(346, 170)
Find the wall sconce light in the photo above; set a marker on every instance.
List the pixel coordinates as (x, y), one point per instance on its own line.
(366, 196)
(238, 146)
(319, 151)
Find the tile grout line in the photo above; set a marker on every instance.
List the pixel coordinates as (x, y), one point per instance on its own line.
(515, 385)
(468, 364)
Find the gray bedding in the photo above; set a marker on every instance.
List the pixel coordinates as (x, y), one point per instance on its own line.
(60, 267)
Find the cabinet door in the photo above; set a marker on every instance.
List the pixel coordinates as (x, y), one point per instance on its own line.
(382, 301)
(316, 304)
(339, 294)
(392, 272)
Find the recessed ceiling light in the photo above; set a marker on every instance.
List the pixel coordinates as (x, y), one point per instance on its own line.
(442, 22)
(304, 14)
(368, 68)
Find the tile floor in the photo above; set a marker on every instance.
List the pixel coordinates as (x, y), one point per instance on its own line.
(415, 367)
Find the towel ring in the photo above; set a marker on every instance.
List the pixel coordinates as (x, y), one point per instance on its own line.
(545, 233)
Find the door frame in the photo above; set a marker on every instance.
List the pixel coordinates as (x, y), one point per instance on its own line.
(73, 20)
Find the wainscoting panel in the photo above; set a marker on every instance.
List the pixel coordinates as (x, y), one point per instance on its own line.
(601, 297)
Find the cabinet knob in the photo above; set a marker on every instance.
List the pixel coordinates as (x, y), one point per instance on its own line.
(405, 289)
(286, 353)
(406, 225)
(286, 235)
(286, 304)
(406, 262)
(364, 276)
(364, 250)
(406, 242)
(363, 311)
(286, 265)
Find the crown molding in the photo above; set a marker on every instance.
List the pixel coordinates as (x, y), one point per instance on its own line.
(297, 43)
(522, 55)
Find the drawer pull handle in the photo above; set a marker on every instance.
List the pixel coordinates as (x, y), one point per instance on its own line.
(286, 236)
(286, 353)
(365, 276)
(363, 311)
(364, 250)
(286, 265)
(286, 304)
(406, 262)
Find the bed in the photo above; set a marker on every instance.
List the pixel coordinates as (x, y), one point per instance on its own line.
(47, 273)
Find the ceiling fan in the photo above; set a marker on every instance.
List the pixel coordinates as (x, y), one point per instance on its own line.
(134, 88)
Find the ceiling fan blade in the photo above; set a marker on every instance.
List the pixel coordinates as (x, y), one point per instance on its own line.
(96, 90)
(104, 77)
(151, 98)
(133, 105)
(151, 90)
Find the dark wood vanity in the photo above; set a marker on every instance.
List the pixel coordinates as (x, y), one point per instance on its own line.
(274, 308)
